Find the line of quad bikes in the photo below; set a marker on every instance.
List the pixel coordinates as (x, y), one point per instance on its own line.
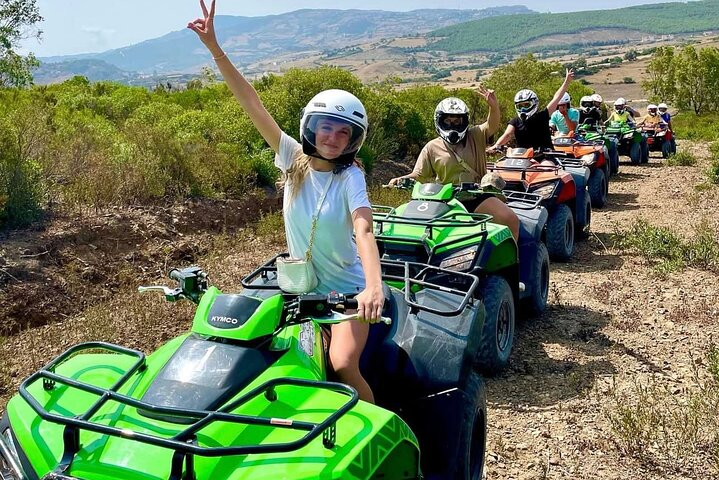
(245, 393)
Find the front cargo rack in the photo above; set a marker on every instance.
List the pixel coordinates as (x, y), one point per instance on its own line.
(184, 444)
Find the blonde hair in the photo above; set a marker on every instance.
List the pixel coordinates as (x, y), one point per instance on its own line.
(297, 173)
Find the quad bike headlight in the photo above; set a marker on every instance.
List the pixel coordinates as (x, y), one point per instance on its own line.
(545, 191)
(460, 261)
(588, 159)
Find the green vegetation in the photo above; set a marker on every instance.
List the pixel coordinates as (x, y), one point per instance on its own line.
(17, 22)
(667, 251)
(713, 172)
(682, 158)
(81, 145)
(686, 77)
(690, 126)
(507, 32)
(660, 424)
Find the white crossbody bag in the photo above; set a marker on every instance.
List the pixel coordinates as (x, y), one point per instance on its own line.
(297, 275)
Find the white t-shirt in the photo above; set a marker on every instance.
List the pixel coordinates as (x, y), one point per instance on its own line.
(334, 253)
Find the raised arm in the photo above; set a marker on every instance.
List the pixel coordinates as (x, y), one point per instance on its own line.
(494, 117)
(243, 91)
(562, 90)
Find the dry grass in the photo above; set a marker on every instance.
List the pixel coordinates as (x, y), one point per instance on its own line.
(669, 427)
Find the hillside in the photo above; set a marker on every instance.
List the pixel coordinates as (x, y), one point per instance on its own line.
(252, 39)
(514, 32)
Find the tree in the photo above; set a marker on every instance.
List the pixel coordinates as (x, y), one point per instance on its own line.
(17, 22)
(661, 75)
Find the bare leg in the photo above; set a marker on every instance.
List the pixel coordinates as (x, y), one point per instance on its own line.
(502, 214)
(348, 341)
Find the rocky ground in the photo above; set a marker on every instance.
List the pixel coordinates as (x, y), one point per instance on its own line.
(618, 336)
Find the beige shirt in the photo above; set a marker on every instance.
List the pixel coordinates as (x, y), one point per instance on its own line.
(437, 163)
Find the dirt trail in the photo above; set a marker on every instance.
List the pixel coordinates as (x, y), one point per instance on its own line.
(612, 321)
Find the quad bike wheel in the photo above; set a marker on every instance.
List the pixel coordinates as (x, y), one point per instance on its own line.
(598, 188)
(614, 161)
(666, 148)
(635, 153)
(539, 284)
(645, 151)
(473, 431)
(560, 234)
(498, 330)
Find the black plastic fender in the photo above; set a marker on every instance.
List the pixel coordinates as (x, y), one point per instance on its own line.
(421, 353)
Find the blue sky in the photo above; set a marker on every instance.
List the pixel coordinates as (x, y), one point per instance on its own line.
(82, 26)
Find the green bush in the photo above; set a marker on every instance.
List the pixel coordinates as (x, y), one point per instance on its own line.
(689, 126)
(667, 251)
(682, 158)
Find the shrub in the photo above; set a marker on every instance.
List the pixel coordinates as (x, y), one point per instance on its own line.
(682, 158)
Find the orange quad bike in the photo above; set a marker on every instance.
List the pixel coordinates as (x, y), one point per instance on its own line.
(591, 154)
(563, 189)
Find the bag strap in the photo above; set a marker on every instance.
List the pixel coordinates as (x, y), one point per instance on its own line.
(308, 255)
(464, 164)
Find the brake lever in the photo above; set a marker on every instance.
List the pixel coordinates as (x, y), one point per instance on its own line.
(341, 317)
(171, 294)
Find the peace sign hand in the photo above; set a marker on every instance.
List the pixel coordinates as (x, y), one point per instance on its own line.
(205, 27)
(487, 94)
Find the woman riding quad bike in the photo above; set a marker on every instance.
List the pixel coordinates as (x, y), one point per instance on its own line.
(245, 394)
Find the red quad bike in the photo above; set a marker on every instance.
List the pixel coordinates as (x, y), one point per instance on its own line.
(659, 139)
(591, 154)
(563, 189)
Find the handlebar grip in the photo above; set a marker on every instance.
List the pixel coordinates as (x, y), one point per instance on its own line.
(175, 275)
(351, 304)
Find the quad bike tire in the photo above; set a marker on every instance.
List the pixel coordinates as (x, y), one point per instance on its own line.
(666, 149)
(598, 188)
(582, 230)
(560, 234)
(614, 162)
(645, 152)
(635, 153)
(539, 284)
(473, 431)
(498, 330)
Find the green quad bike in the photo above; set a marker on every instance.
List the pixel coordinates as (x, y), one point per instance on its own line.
(435, 228)
(631, 141)
(245, 395)
(591, 131)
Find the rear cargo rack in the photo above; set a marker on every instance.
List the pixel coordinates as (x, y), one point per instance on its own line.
(455, 220)
(184, 444)
(415, 275)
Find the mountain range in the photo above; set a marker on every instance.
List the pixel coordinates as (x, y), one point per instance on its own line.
(251, 39)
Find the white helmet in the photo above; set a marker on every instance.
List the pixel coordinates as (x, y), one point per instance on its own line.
(586, 104)
(663, 107)
(565, 99)
(337, 106)
(620, 104)
(652, 109)
(526, 103)
(597, 98)
(448, 109)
